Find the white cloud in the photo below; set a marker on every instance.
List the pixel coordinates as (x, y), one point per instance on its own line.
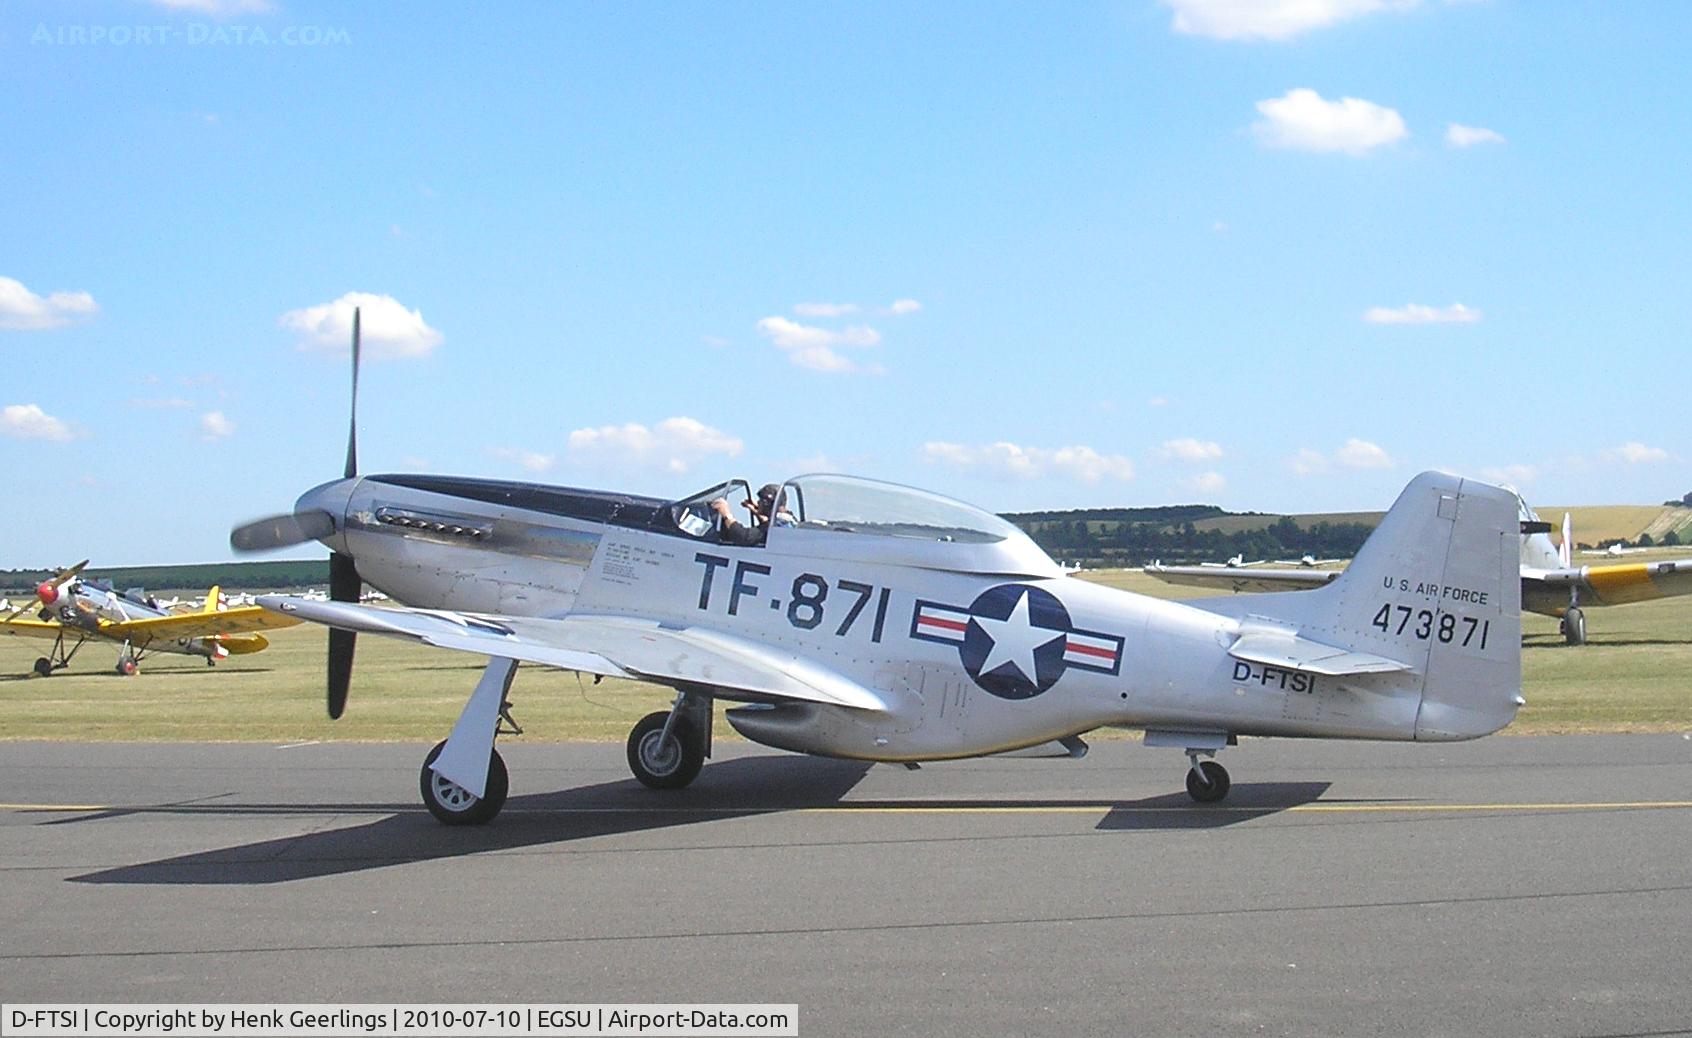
(812, 347)
(1192, 451)
(901, 307)
(23, 311)
(1459, 136)
(674, 444)
(1083, 464)
(1416, 313)
(531, 461)
(214, 426)
(1636, 454)
(217, 8)
(1361, 454)
(825, 309)
(1207, 483)
(387, 329)
(1301, 120)
(1355, 454)
(1157, 401)
(30, 422)
(162, 403)
(1267, 19)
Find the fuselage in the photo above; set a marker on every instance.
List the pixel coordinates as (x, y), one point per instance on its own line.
(975, 638)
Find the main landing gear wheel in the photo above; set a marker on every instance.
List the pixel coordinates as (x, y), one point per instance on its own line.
(1574, 626)
(127, 666)
(43, 667)
(662, 763)
(1208, 782)
(452, 804)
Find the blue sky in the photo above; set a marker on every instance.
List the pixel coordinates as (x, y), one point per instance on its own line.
(1275, 256)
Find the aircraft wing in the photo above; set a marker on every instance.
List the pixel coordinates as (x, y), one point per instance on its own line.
(1614, 584)
(241, 620)
(1236, 578)
(616, 646)
(33, 628)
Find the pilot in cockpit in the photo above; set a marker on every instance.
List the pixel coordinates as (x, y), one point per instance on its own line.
(768, 505)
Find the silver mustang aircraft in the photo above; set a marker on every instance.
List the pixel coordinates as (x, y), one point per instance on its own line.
(1552, 584)
(884, 623)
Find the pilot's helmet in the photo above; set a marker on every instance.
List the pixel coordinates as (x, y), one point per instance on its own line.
(767, 495)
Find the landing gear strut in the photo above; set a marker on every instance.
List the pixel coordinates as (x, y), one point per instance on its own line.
(1207, 781)
(667, 748)
(59, 658)
(463, 779)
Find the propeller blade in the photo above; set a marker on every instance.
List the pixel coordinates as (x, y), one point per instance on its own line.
(54, 582)
(340, 669)
(352, 419)
(344, 586)
(344, 581)
(281, 531)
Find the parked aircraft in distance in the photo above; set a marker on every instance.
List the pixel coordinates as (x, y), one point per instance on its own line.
(885, 623)
(72, 611)
(1551, 584)
(1307, 561)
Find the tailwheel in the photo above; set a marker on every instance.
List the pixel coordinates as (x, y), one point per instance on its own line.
(127, 666)
(452, 804)
(1207, 781)
(1574, 626)
(43, 667)
(665, 760)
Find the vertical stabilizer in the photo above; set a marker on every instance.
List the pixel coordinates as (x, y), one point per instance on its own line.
(1436, 587)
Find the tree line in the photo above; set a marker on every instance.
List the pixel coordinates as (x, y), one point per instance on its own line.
(1130, 537)
(243, 576)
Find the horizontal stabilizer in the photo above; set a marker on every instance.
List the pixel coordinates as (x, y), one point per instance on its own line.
(1240, 578)
(1290, 652)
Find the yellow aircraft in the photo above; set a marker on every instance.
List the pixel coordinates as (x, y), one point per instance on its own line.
(71, 610)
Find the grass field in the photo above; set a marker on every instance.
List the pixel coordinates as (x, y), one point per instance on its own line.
(1634, 676)
(1598, 523)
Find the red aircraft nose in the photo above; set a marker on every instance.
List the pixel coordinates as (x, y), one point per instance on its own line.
(47, 593)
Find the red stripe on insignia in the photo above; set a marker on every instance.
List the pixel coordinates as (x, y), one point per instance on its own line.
(950, 625)
(1088, 650)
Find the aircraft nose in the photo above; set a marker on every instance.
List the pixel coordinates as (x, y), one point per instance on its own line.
(332, 500)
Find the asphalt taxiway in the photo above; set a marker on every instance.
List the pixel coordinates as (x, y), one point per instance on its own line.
(1512, 886)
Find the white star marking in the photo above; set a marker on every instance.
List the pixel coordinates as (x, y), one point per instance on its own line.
(1015, 639)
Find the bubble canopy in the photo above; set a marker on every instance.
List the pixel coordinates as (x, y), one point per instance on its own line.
(847, 516)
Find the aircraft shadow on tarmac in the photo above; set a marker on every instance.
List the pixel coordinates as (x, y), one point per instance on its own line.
(737, 788)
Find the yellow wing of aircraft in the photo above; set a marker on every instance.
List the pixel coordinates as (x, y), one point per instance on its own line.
(1551, 584)
(71, 611)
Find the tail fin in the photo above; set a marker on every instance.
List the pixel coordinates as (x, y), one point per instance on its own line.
(1437, 588)
(214, 600)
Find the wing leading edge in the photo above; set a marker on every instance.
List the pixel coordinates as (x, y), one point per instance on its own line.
(615, 646)
(1611, 584)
